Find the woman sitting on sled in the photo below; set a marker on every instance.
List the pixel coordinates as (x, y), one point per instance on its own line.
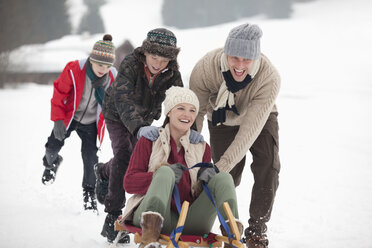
(155, 167)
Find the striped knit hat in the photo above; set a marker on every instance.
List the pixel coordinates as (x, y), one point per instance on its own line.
(103, 51)
(162, 42)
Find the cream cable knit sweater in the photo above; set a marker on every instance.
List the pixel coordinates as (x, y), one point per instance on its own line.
(254, 103)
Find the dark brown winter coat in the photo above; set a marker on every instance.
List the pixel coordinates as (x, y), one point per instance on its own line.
(131, 100)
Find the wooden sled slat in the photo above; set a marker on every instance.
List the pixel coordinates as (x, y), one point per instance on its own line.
(232, 222)
(183, 241)
(224, 239)
(181, 222)
(233, 227)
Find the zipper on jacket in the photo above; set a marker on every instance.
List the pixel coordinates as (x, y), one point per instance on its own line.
(86, 107)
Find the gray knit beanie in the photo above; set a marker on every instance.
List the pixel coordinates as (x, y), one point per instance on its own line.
(244, 41)
(176, 95)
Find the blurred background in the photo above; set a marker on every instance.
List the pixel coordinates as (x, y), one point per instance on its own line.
(40, 21)
(321, 48)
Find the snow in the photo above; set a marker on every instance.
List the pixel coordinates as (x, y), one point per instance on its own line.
(324, 198)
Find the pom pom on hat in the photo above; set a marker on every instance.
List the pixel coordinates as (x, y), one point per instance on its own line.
(107, 37)
(103, 51)
(176, 95)
(244, 41)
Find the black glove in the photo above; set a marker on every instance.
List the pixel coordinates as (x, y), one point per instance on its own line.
(177, 169)
(59, 130)
(206, 173)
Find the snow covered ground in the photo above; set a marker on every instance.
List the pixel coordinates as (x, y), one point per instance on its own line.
(324, 200)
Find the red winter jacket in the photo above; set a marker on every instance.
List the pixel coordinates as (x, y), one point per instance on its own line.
(68, 90)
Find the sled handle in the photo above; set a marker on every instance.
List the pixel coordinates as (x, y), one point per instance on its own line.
(181, 222)
(232, 222)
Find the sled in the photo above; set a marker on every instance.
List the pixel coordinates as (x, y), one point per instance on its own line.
(176, 239)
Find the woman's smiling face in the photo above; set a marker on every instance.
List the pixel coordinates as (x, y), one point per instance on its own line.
(182, 116)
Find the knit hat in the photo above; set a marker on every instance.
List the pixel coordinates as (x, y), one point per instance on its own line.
(103, 51)
(244, 41)
(176, 95)
(162, 42)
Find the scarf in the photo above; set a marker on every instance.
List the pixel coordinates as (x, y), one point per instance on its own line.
(226, 94)
(97, 82)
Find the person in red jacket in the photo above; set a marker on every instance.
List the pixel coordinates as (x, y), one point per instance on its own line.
(155, 166)
(76, 106)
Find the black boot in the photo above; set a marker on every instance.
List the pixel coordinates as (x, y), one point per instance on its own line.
(101, 183)
(255, 239)
(89, 199)
(109, 232)
(50, 172)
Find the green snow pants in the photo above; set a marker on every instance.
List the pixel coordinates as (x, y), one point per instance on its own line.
(201, 214)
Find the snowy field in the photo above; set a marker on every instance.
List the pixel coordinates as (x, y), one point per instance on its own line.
(324, 200)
